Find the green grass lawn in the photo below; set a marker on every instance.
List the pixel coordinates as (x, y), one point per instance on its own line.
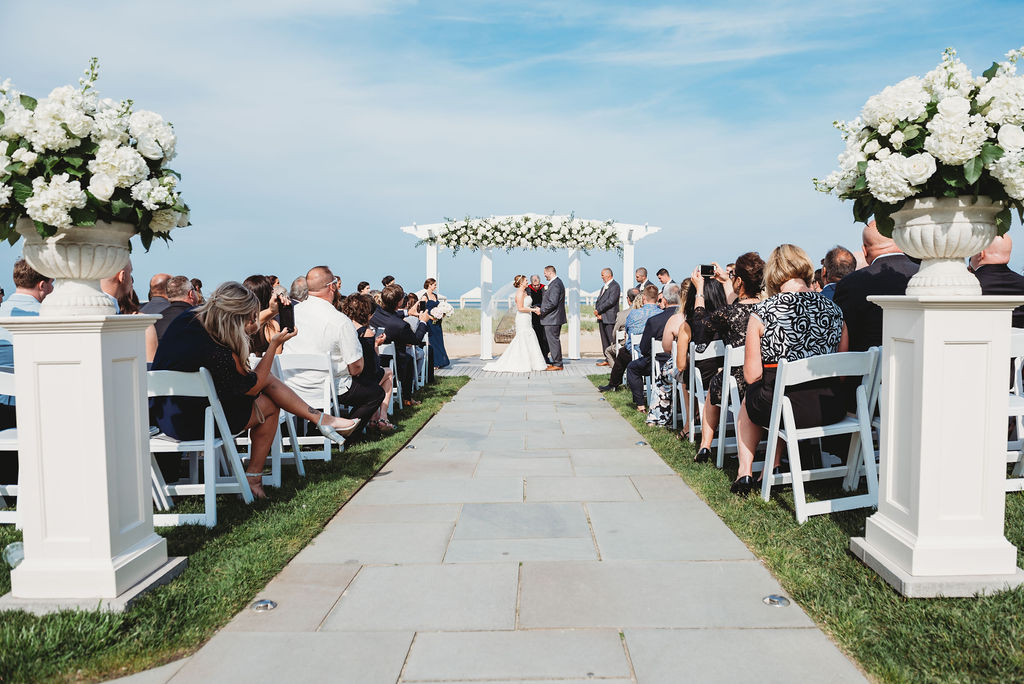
(227, 566)
(894, 639)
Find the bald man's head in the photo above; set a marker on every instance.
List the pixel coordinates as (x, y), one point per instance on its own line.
(318, 279)
(998, 252)
(876, 244)
(158, 285)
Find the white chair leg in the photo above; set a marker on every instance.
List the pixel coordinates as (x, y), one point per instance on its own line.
(723, 424)
(293, 438)
(209, 474)
(854, 462)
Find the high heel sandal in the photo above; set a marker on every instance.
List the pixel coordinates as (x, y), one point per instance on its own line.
(742, 485)
(703, 456)
(332, 433)
(256, 487)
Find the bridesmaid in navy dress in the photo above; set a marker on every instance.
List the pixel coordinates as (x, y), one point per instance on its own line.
(434, 331)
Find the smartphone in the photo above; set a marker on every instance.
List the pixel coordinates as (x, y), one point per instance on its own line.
(707, 270)
(377, 332)
(287, 314)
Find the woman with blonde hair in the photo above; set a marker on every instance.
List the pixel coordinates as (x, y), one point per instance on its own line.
(793, 323)
(523, 354)
(216, 336)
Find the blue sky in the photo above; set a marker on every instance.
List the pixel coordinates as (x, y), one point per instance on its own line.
(310, 130)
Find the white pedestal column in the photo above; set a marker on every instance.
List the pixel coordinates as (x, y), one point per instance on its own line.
(628, 269)
(85, 501)
(432, 261)
(486, 292)
(573, 303)
(941, 502)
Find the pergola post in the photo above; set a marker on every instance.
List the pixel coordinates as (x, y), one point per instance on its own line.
(574, 303)
(432, 261)
(486, 287)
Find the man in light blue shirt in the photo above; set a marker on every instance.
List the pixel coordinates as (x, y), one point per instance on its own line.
(32, 288)
(637, 319)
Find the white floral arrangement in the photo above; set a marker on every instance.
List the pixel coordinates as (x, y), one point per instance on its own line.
(527, 231)
(75, 159)
(442, 310)
(944, 135)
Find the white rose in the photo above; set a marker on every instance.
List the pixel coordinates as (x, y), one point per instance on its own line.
(163, 221)
(1011, 137)
(25, 157)
(917, 169)
(897, 139)
(102, 186)
(883, 153)
(872, 147)
(955, 106)
(885, 128)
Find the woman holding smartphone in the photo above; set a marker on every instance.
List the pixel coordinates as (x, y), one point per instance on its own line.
(359, 308)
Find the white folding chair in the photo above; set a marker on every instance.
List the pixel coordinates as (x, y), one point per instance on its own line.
(853, 475)
(650, 380)
(228, 478)
(714, 350)
(783, 426)
(634, 345)
(8, 442)
(1015, 448)
(733, 358)
(288, 365)
(676, 388)
(425, 368)
(277, 447)
(396, 385)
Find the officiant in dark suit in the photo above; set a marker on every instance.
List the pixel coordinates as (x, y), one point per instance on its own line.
(996, 278)
(552, 316)
(536, 289)
(605, 308)
(888, 272)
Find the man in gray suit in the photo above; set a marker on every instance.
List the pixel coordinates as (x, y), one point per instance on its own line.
(552, 316)
(605, 308)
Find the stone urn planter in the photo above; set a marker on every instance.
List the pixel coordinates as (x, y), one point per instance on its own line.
(942, 232)
(77, 258)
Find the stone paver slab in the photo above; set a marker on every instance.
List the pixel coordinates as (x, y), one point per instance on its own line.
(319, 574)
(435, 469)
(516, 655)
(585, 441)
(157, 675)
(495, 452)
(651, 594)
(498, 550)
(628, 461)
(525, 466)
(580, 489)
(663, 530)
(709, 655)
(522, 521)
(429, 597)
(300, 608)
(255, 658)
(356, 513)
(482, 490)
(663, 488)
(369, 543)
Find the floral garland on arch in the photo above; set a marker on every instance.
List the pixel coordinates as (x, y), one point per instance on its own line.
(944, 135)
(72, 159)
(527, 231)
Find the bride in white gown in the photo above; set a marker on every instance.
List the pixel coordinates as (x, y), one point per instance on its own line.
(523, 354)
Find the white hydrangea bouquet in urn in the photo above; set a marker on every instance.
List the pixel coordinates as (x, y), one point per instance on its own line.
(938, 162)
(79, 175)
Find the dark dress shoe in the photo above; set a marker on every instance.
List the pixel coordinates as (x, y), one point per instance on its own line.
(742, 485)
(607, 388)
(703, 456)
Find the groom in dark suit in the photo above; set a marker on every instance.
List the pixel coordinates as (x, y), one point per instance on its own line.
(552, 316)
(605, 308)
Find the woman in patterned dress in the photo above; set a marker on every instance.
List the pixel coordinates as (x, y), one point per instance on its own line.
(730, 325)
(793, 323)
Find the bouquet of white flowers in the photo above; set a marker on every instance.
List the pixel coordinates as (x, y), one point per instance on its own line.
(75, 159)
(944, 135)
(527, 231)
(442, 310)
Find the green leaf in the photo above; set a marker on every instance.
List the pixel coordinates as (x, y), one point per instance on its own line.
(74, 161)
(49, 162)
(2, 118)
(16, 167)
(990, 72)
(28, 102)
(911, 132)
(22, 190)
(862, 209)
(990, 152)
(973, 169)
(862, 167)
(13, 237)
(120, 208)
(1003, 220)
(147, 238)
(77, 173)
(884, 222)
(83, 217)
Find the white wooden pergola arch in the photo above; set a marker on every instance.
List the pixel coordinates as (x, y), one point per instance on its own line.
(629, 235)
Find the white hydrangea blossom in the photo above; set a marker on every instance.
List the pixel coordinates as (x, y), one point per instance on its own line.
(956, 136)
(124, 165)
(163, 221)
(26, 157)
(951, 77)
(109, 122)
(154, 137)
(152, 194)
(1009, 170)
(1002, 99)
(50, 203)
(5, 194)
(528, 231)
(885, 180)
(905, 101)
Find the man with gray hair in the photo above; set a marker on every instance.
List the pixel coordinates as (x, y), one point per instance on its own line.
(639, 369)
(181, 297)
(605, 308)
(299, 291)
(837, 264)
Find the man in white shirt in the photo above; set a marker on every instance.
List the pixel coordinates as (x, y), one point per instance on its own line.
(322, 329)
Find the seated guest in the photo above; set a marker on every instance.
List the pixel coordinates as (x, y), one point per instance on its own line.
(412, 312)
(387, 280)
(888, 272)
(728, 324)
(838, 263)
(793, 323)
(996, 278)
(118, 285)
(298, 291)
(620, 324)
(644, 306)
(363, 287)
(817, 284)
(31, 288)
(181, 297)
(401, 334)
(359, 308)
(197, 285)
(158, 299)
(216, 336)
(654, 328)
(129, 303)
(263, 287)
(323, 329)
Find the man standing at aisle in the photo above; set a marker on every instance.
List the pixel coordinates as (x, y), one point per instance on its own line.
(605, 308)
(536, 289)
(552, 316)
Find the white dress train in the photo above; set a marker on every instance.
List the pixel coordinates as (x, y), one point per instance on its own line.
(523, 354)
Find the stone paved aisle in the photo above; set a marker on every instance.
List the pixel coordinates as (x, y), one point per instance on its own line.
(523, 536)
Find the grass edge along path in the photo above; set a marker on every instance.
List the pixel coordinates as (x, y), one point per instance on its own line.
(893, 639)
(227, 566)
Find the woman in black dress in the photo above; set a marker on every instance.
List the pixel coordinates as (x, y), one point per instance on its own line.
(728, 324)
(793, 323)
(216, 336)
(697, 330)
(359, 308)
